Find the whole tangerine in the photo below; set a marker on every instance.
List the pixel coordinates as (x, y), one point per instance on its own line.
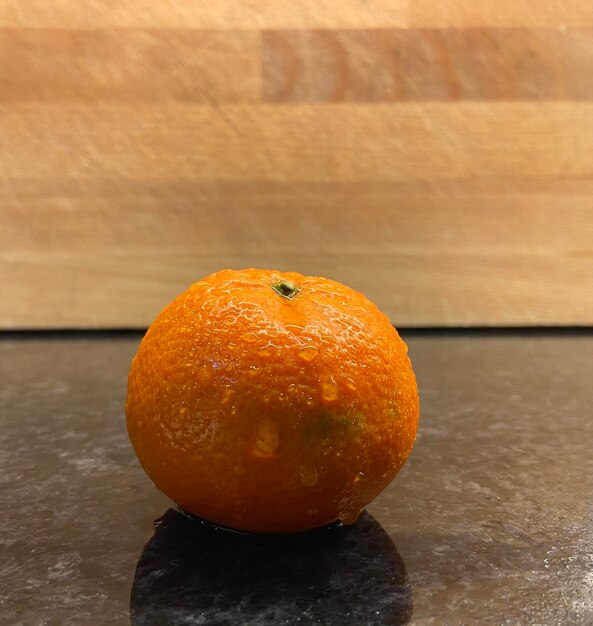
(270, 401)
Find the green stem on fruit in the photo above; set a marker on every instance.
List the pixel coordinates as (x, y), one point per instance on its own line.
(286, 289)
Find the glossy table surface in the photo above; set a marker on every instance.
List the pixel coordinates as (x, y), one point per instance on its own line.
(490, 522)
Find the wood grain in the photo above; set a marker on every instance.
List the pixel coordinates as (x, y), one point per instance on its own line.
(428, 64)
(501, 13)
(438, 156)
(110, 290)
(205, 14)
(337, 142)
(487, 252)
(516, 217)
(129, 66)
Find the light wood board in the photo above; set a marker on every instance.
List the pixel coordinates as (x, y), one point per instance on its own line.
(436, 156)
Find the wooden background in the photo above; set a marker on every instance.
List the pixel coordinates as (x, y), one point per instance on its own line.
(436, 155)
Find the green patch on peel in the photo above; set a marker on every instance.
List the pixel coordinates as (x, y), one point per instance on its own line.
(328, 426)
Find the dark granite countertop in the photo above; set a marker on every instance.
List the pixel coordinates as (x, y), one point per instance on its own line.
(490, 522)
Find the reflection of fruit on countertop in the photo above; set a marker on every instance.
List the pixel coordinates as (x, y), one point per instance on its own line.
(336, 576)
(271, 401)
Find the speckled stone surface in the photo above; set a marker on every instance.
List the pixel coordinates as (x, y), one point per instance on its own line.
(490, 522)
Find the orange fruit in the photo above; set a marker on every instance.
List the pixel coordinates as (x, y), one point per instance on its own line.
(272, 402)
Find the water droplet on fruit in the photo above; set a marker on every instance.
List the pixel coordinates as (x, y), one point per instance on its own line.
(226, 396)
(204, 375)
(233, 410)
(267, 439)
(358, 477)
(249, 337)
(329, 389)
(349, 516)
(308, 354)
(296, 328)
(291, 388)
(308, 476)
(309, 401)
(266, 350)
